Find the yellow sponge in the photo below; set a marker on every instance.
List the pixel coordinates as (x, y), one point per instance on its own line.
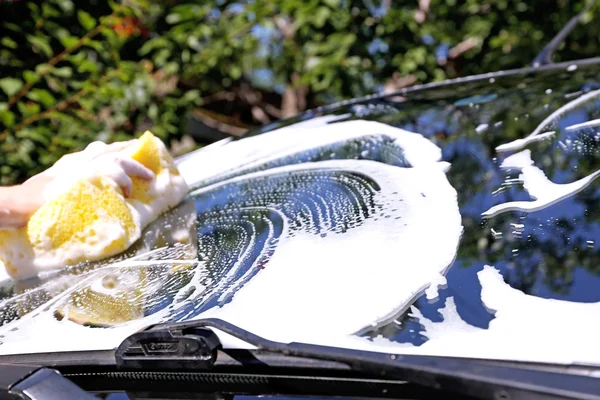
(91, 219)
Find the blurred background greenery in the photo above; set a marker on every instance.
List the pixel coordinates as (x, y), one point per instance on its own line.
(196, 71)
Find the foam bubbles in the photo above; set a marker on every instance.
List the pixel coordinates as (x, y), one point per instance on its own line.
(317, 227)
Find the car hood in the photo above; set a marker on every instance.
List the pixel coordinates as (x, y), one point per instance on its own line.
(457, 219)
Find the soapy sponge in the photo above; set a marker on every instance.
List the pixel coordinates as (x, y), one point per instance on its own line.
(91, 219)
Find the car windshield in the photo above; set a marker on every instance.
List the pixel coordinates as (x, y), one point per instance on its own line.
(456, 219)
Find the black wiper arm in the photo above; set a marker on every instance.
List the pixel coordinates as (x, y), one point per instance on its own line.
(545, 56)
(190, 346)
(33, 382)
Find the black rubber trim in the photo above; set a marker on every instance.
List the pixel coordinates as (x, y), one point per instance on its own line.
(143, 384)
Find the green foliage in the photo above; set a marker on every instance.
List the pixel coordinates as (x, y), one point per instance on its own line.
(67, 80)
(73, 72)
(347, 48)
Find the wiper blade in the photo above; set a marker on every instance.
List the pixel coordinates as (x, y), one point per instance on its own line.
(191, 346)
(545, 56)
(35, 382)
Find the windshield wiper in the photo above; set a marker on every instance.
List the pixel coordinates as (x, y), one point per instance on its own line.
(21, 382)
(192, 346)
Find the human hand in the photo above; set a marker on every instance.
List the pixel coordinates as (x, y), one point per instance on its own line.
(19, 202)
(97, 159)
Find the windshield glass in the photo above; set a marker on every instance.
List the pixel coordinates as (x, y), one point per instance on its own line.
(452, 220)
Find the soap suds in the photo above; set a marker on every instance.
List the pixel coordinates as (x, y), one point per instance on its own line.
(278, 146)
(520, 143)
(351, 281)
(589, 124)
(351, 270)
(525, 328)
(539, 187)
(89, 219)
(548, 123)
(432, 291)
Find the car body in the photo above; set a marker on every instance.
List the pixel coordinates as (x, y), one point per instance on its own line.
(445, 236)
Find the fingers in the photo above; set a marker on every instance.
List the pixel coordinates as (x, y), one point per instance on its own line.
(121, 169)
(118, 146)
(97, 149)
(134, 168)
(99, 158)
(123, 180)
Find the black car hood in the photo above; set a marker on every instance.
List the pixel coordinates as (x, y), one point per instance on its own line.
(450, 219)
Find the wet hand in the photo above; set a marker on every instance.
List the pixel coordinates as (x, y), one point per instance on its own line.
(18, 203)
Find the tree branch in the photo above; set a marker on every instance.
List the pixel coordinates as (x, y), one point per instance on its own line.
(59, 57)
(58, 107)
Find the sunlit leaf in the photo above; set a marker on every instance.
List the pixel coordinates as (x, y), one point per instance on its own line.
(28, 109)
(7, 118)
(41, 44)
(10, 86)
(86, 20)
(65, 5)
(87, 66)
(43, 69)
(8, 42)
(62, 72)
(42, 96)
(68, 40)
(30, 77)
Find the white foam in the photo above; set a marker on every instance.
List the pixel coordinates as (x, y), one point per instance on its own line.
(525, 328)
(432, 291)
(543, 190)
(344, 283)
(481, 128)
(541, 131)
(257, 150)
(520, 143)
(338, 284)
(589, 124)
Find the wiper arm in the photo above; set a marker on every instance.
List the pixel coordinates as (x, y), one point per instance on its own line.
(33, 382)
(545, 56)
(191, 346)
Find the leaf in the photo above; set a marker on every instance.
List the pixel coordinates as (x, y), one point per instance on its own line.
(152, 44)
(8, 42)
(49, 11)
(31, 77)
(87, 104)
(68, 40)
(96, 45)
(86, 20)
(34, 134)
(43, 69)
(7, 118)
(41, 43)
(28, 109)
(42, 96)
(162, 56)
(34, 9)
(12, 27)
(235, 72)
(62, 72)
(87, 66)
(192, 97)
(54, 84)
(321, 16)
(66, 5)
(173, 18)
(10, 86)
(153, 111)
